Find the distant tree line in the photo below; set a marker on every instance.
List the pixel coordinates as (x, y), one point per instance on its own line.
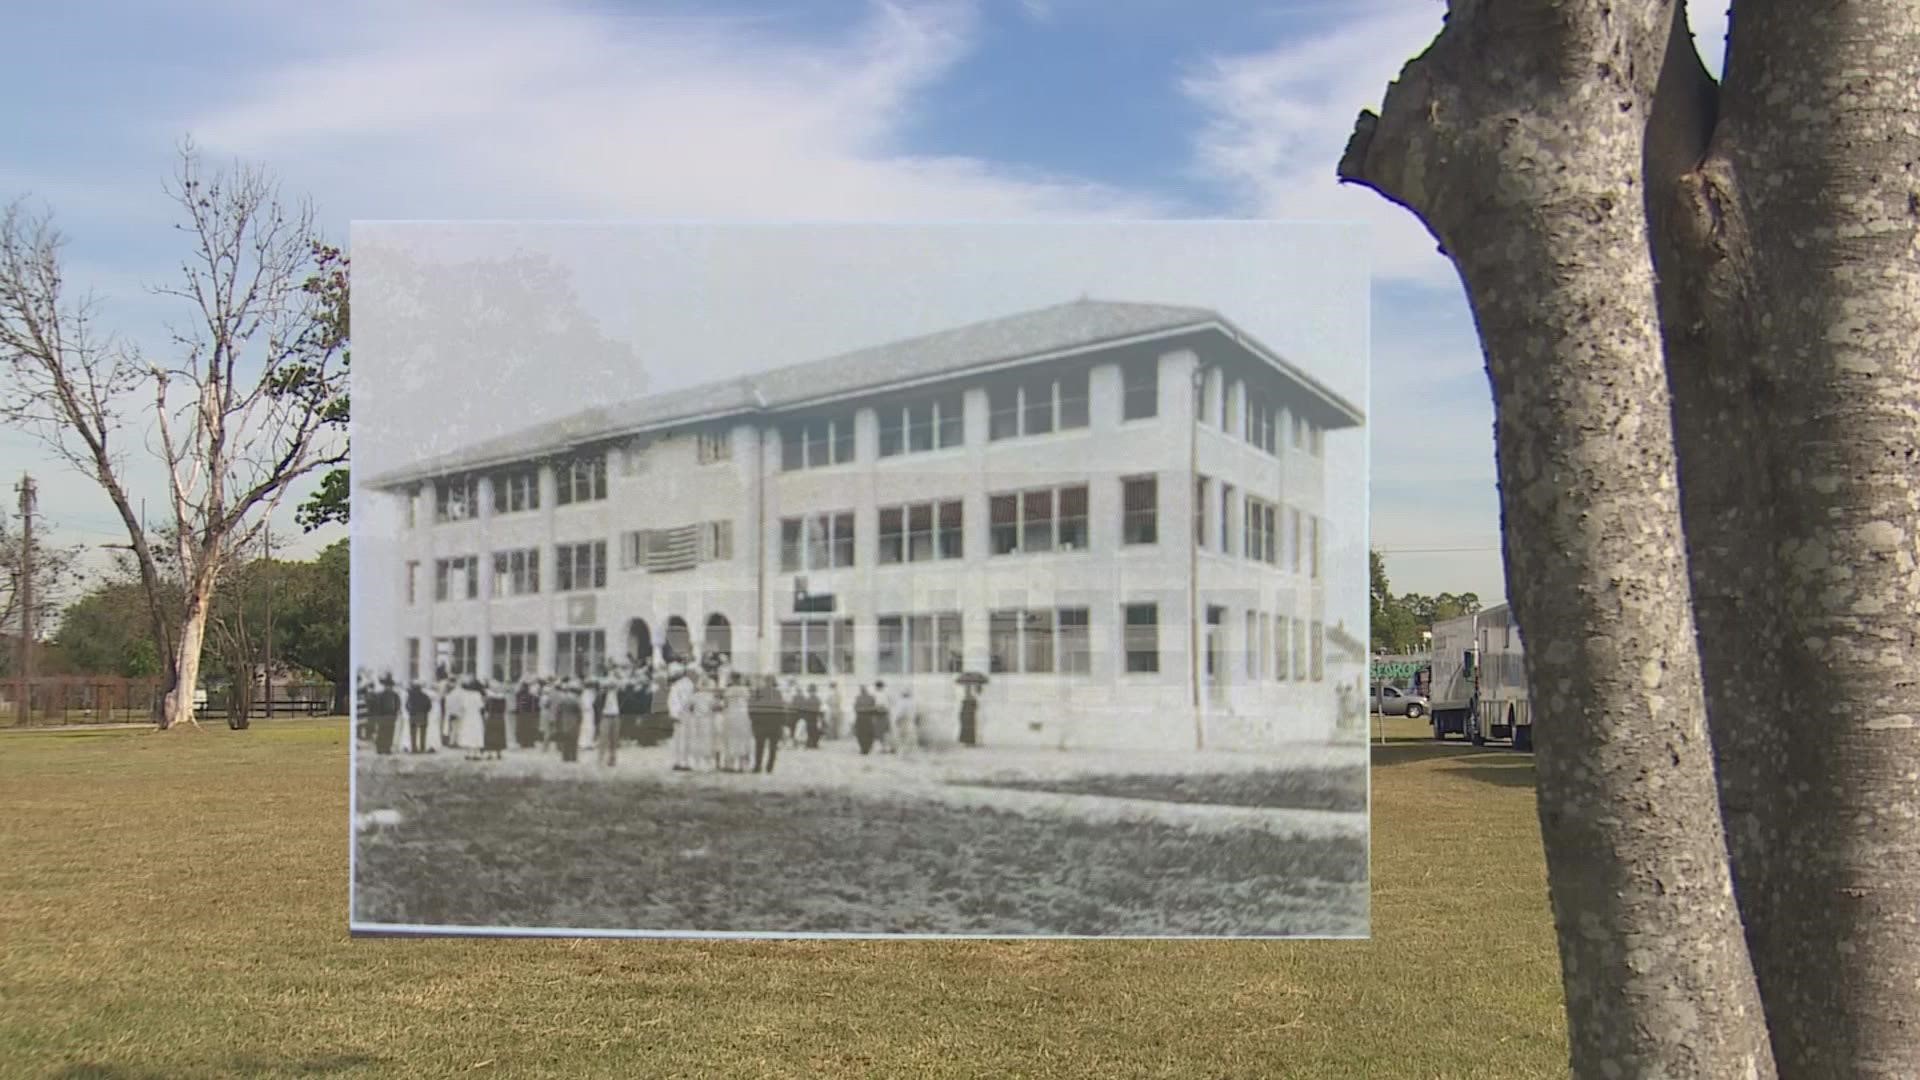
(1400, 621)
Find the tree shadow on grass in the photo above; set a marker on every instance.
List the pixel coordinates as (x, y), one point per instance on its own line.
(1496, 765)
(241, 1065)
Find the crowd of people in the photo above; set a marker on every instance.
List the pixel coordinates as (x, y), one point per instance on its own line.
(715, 718)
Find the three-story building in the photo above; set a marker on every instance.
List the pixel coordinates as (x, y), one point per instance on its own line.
(1113, 510)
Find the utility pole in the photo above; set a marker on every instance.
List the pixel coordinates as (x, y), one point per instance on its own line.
(268, 536)
(24, 710)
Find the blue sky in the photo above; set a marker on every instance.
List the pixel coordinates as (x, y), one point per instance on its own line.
(922, 110)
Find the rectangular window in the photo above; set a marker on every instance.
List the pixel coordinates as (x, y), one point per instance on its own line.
(1318, 643)
(413, 509)
(1266, 645)
(891, 651)
(1003, 641)
(715, 447)
(579, 653)
(793, 453)
(843, 539)
(842, 646)
(920, 427)
(1142, 643)
(893, 535)
(920, 532)
(1037, 630)
(1272, 531)
(413, 580)
(413, 658)
(581, 479)
(949, 649)
(1252, 647)
(457, 656)
(716, 541)
(580, 566)
(1073, 400)
(816, 443)
(1295, 515)
(515, 657)
(1076, 642)
(1299, 650)
(516, 573)
(790, 545)
(893, 431)
(1229, 406)
(816, 647)
(792, 643)
(633, 457)
(1140, 390)
(1139, 510)
(1315, 444)
(819, 542)
(457, 578)
(1036, 521)
(950, 530)
(1299, 432)
(920, 644)
(1314, 548)
(1073, 518)
(516, 490)
(1005, 514)
(1226, 516)
(1003, 412)
(456, 500)
(952, 420)
(1036, 407)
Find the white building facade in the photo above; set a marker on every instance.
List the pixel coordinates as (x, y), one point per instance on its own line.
(1113, 511)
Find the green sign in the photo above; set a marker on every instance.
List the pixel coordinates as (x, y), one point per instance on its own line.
(1397, 670)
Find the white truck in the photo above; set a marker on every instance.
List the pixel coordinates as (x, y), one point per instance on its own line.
(1480, 679)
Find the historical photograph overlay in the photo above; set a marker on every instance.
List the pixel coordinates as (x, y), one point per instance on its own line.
(860, 580)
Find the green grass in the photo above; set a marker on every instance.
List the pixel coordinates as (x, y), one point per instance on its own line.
(1291, 789)
(174, 905)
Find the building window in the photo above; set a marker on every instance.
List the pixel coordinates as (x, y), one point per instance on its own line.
(580, 566)
(920, 532)
(1266, 646)
(1142, 640)
(1259, 530)
(413, 509)
(716, 541)
(1316, 444)
(937, 423)
(1045, 519)
(515, 657)
(1271, 530)
(715, 447)
(633, 458)
(1318, 643)
(516, 573)
(1259, 422)
(1226, 516)
(456, 500)
(516, 490)
(816, 647)
(1299, 432)
(920, 644)
(413, 580)
(1139, 510)
(457, 578)
(1252, 649)
(457, 656)
(581, 479)
(816, 443)
(1299, 650)
(1200, 512)
(1140, 390)
(1226, 401)
(1282, 631)
(818, 542)
(413, 659)
(1314, 549)
(1294, 515)
(579, 653)
(1039, 641)
(1037, 406)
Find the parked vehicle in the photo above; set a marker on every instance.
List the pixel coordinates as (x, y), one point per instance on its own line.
(1393, 701)
(1480, 680)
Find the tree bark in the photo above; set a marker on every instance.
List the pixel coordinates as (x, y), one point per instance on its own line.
(1518, 139)
(192, 639)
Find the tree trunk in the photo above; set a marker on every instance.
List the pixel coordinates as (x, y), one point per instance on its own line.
(1518, 139)
(192, 641)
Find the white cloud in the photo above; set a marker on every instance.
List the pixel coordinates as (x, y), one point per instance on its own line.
(1279, 120)
(515, 110)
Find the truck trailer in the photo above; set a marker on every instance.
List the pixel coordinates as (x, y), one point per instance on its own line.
(1480, 680)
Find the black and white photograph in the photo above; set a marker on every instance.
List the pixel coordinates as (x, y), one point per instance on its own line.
(823, 580)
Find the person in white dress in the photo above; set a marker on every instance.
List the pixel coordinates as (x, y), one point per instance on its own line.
(836, 712)
(883, 713)
(680, 707)
(473, 718)
(905, 725)
(738, 725)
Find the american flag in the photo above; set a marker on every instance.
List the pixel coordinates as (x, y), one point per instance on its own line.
(673, 549)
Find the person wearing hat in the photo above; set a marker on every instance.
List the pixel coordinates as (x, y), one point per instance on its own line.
(737, 724)
(567, 720)
(385, 707)
(607, 736)
(680, 708)
(473, 717)
(769, 723)
(865, 709)
(419, 709)
(883, 716)
(526, 715)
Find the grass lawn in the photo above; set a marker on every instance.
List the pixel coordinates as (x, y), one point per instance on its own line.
(483, 849)
(174, 905)
(1292, 789)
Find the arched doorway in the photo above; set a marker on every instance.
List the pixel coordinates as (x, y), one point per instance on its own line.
(639, 641)
(719, 635)
(679, 643)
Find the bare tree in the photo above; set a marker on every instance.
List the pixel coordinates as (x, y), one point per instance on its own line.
(239, 412)
(1698, 303)
(56, 571)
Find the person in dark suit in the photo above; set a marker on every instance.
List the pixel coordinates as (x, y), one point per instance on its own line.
(567, 721)
(769, 713)
(814, 716)
(419, 708)
(865, 712)
(526, 715)
(386, 713)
